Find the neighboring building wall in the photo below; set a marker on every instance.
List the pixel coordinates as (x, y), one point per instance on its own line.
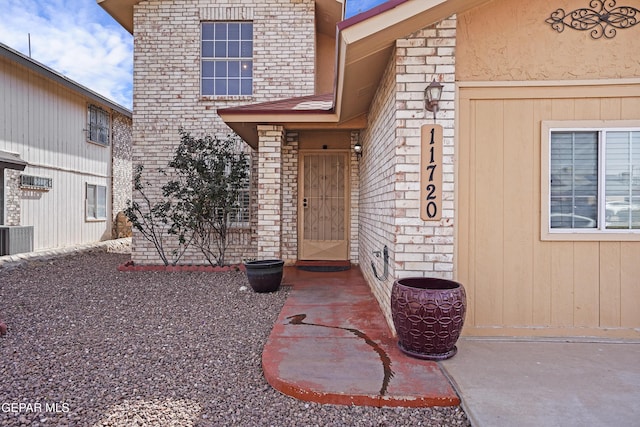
(390, 172)
(121, 169)
(121, 173)
(45, 123)
(167, 81)
(12, 197)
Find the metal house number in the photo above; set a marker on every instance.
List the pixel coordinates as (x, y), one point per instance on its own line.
(431, 173)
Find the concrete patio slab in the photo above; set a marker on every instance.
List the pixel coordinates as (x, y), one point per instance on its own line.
(547, 383)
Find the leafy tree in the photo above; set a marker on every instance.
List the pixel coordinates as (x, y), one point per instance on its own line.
(210, 174)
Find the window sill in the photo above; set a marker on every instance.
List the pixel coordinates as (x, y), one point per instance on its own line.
(213, 98)
(241, 228)
(100, 144)
(594, 236)
(95, 220)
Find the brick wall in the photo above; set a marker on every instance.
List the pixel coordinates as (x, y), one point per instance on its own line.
(389, 176)
(167, 81)
(270, 196)
(290, 198)
(355, 201)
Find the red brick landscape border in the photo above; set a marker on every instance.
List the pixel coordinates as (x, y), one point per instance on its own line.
(130, 266)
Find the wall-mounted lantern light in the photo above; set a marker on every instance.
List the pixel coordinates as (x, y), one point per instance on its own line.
(358, 149)
(432, 96)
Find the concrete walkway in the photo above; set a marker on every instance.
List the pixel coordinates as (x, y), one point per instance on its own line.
(331, 344)
(314, 353)
(547, 383)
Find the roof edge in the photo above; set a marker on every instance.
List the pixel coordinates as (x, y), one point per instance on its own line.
(33, 65)
(363, 16)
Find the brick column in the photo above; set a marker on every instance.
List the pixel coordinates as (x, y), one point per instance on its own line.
(270, 141)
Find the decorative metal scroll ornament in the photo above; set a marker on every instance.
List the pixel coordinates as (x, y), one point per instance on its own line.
(602, 19)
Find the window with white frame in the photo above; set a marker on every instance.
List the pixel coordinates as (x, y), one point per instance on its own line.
(227, 58)
(594, 180)
(98, 125)
(96, 202)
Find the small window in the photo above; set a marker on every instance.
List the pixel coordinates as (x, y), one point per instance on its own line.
(99, 125)
(227, 58)
(593, 182)
(30, 182)
(96, 202)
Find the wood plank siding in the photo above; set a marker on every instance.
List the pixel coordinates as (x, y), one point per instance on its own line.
(518, 283)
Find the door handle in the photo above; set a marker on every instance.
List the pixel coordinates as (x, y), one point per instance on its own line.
(305, 203)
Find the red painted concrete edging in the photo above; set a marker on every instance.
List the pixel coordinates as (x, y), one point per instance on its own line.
(130, 266)
(308, 394)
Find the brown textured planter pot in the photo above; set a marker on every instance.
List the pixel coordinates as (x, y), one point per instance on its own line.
(428, 315)
(264, 275)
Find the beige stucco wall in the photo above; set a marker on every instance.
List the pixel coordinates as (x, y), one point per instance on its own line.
(510, 40)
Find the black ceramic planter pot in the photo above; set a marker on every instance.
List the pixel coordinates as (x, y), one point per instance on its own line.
(264, 275)
(428, 315)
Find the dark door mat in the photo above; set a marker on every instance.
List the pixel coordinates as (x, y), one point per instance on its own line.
(323, 266)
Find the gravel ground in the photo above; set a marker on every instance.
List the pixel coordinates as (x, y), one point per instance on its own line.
(88, 345)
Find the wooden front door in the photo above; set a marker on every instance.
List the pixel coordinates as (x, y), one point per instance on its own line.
(323, 207)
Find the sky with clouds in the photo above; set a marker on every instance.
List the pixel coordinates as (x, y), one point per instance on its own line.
(355, 7)
(76, 38)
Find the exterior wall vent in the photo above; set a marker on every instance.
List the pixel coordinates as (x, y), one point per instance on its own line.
(16, 239)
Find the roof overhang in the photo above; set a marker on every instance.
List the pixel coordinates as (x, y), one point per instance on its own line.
(121, 11)
(364, 46)
(366, 41)
(11, 161)
(302, 113)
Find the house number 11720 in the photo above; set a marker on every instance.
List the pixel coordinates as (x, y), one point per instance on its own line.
(431, 173)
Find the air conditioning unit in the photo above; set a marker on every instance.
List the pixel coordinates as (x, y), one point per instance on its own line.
(16, 239)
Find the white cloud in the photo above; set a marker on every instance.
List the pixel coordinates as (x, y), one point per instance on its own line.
(75, 38)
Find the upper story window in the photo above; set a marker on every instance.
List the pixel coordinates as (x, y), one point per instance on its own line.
(99, 125)
(227, 59)
(593, 182)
